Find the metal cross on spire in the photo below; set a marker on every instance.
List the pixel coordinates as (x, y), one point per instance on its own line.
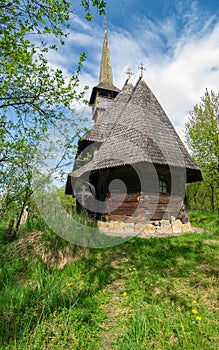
(129, 72)
(141, 67)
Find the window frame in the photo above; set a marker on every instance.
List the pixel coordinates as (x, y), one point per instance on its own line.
(163, 187)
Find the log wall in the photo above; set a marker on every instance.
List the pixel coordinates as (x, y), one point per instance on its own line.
(143, 208)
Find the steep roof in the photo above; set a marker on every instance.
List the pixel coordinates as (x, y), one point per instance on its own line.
(136, 129)
(106, 75)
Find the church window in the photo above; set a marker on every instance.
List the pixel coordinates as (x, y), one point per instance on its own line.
(163, 187)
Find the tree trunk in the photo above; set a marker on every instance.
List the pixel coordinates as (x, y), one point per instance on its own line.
(9, 236)
(202, 200)
(20, 216)
(212, 197)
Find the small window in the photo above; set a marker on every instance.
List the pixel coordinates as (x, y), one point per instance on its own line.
(163, 187)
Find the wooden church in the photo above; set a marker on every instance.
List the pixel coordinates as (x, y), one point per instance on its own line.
(131, 166)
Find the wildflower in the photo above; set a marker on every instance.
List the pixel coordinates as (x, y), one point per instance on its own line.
(194, 311)
(124, 294)
(134, 269)
(104, 291)
(68, 284)
(130, 269)
(198, 318)
(194, 302)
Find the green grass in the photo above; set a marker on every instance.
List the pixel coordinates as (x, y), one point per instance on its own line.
(207, 220)
(138, 295)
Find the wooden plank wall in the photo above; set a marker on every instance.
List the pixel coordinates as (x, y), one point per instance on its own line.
(144, 207)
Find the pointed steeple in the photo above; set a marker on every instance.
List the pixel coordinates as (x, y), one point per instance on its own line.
(106, 75)
(105, 91)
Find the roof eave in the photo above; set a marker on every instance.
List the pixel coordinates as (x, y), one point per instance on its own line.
(104, 88)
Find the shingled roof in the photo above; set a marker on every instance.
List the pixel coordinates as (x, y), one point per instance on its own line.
(106, 75)
(136, 129)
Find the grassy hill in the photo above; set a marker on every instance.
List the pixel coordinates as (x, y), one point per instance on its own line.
(159, 293)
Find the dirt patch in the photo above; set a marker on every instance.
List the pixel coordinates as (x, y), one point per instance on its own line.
(34, 245)
(116, 310)
(211, 241)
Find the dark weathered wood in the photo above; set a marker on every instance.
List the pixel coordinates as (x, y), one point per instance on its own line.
(138, 208)
(124, 203)
(114, 217)
(68, 186)
(132, 197)
(124, 211)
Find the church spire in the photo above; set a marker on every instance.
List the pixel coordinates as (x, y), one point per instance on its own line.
(105, 92)
(106, 75)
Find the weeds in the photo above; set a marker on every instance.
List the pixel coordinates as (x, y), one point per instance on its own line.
(158, 293)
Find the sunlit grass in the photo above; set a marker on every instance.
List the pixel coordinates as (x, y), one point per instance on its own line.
(158, 293)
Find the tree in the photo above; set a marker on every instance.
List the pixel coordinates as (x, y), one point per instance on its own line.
(32, 95)
(202, 133)
(29, 88)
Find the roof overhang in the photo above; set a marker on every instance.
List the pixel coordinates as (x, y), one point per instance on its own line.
(103, 88)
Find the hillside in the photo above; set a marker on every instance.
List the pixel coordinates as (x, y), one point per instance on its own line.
(158, 293)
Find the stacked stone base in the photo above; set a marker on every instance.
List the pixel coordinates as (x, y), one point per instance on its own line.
(154, 228)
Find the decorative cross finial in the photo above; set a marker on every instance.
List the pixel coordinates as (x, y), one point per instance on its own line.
(129, 72)
(141, 67)
(105, 24)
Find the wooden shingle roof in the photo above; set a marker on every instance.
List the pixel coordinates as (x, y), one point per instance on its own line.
(136, 129)
(106, 74)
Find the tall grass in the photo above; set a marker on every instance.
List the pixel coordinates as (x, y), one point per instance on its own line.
(158, 293)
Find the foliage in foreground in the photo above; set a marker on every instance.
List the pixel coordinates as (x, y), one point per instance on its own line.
(144, 294)
(202, 134)
(34, 97)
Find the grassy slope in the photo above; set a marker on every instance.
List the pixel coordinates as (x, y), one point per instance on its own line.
(143, 294)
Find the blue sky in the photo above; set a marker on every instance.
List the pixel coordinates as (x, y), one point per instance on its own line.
(177, 41)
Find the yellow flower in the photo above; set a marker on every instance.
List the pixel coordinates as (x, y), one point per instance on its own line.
(134, 268)
(198, 318)
(104, 291)
(124, 294)
(68, 284)
(130, 269)
(194, 302)
(194, 311)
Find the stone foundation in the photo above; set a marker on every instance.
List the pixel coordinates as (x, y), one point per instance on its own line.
(154, 228)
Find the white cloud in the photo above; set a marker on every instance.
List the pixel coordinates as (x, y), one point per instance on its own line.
(178, 77)
(79, 23)
(181, 81)
(181, 64)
